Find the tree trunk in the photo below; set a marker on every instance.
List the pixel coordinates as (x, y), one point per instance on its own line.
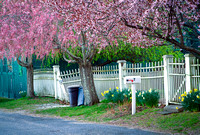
(87, 82)
(27, 63)
(30, 90)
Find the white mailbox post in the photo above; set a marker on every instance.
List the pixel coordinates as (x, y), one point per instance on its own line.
(133, 80)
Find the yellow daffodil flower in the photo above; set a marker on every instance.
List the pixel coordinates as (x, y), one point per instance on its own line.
(182, 95)
(150, 90)
(177, 108)
(130, 97)
(190, 91)
(185, 92)
(182, 99)
(195, 90)
(112, 95)
(109, 88)
(198, 96)
(117, 90)
(179, 97)
(117, 87)
(102, 94)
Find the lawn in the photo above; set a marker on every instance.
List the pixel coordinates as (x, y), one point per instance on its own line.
(25, 103)
(145, 118)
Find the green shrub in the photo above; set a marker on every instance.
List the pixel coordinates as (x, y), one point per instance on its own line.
(151, 98)
(23, 93)
(117, 96)
(191, 101)
(139, 98)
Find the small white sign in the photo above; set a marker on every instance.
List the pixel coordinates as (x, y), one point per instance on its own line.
(132, 79)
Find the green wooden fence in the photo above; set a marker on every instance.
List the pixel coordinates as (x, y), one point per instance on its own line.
(12, 79)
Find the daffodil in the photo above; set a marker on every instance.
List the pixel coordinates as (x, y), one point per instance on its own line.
(117, 90)
(143, 92)
(109, 88)
(140, 93)
(195, 90)
(182, 99)
(130, 97)
(177, 108)
(112, 95)
(117, 87)
(185, 92)
(198, 96)
(150, 90)
(179, 97)
(182, 95)
(102, 94)
(190, 91)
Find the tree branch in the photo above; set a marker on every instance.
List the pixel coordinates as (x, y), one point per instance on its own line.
(77, 59)
(23, 64)
(69, 61)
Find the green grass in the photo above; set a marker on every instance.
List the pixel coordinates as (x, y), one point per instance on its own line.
(180, 122)
(24, 103)
(184, 122)
(90, 113)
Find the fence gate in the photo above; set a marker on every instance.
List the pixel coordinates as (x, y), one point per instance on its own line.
(177, 80)
(12, 79)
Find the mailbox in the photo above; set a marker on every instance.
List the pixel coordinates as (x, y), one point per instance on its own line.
(132, 79)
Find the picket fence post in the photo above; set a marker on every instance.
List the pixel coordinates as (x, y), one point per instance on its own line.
(56, 71)
(122, 73)
(166, 60)
(188, 61)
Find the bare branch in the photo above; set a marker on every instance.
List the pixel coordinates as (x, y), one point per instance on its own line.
(69, 61)
(77, 59)
(24, 64)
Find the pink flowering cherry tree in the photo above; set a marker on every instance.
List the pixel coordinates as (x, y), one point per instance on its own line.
(79, 37)
(25, 29)
(159, 22)
(91, 25)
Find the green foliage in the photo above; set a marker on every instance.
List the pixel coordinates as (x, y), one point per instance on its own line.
(149, 98)
(23, 93)
(136, 54)
(117, 96)
(191, 101)
(139, 98)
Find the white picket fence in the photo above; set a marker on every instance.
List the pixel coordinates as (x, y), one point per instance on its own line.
(104, 78)
(170, 77)
(151, 76)
(44, 82)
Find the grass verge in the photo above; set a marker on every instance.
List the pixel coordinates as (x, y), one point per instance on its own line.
(145, 118)
(25, 103)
